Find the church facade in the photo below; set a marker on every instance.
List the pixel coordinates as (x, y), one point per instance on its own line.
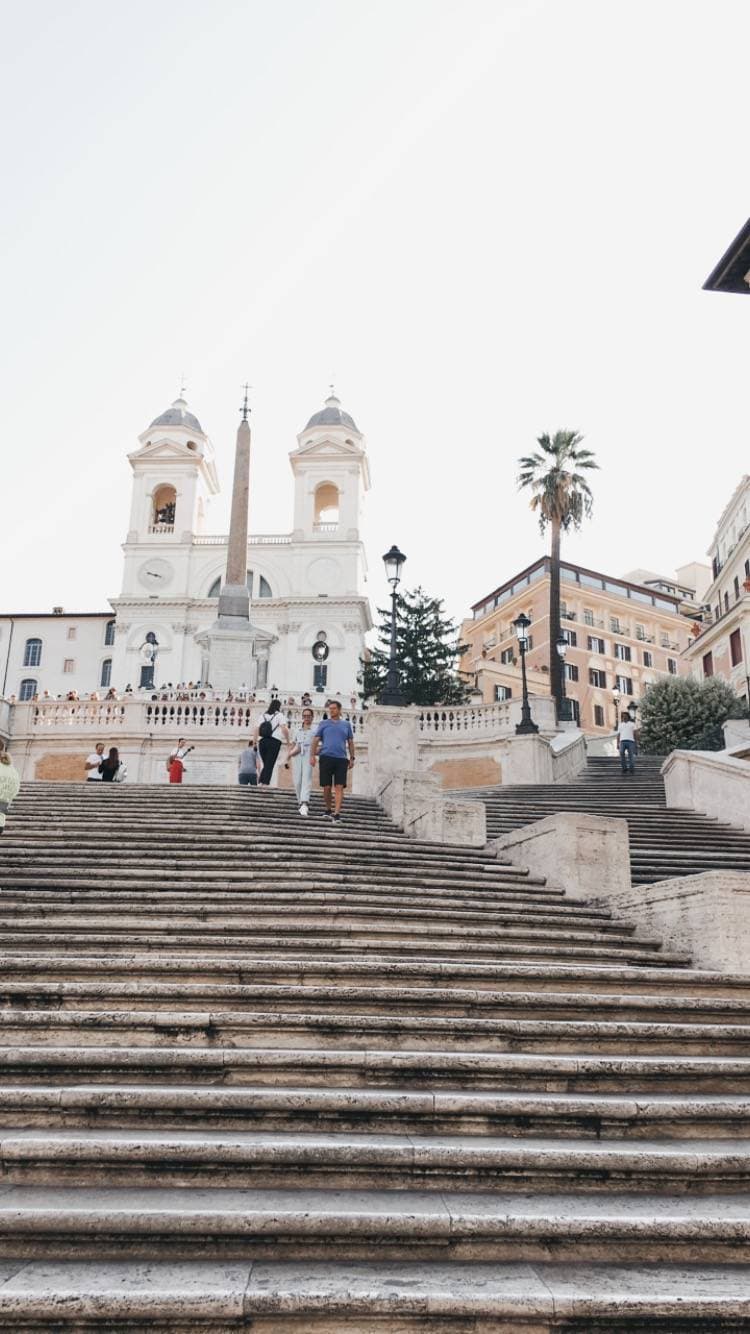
(306, 586)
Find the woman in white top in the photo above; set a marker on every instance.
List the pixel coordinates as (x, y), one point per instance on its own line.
(269, 734)
(300, 755)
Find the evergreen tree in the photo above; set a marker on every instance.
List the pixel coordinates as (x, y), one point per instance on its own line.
(427, 651)
(678, 713)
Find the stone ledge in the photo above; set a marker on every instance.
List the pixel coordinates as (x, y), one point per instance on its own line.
(415, 803)
(706, 915)
(583, 854)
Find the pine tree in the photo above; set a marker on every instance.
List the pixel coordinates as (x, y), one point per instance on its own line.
(678, 713)
(427, 651)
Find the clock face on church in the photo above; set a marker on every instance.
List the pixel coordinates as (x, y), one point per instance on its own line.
(155, 574)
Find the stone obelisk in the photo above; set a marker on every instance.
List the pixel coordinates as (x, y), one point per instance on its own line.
(230, 639)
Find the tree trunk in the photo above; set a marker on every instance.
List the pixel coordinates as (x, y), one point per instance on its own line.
(555, 665)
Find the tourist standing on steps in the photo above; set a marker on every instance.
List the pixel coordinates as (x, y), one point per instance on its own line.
(9, 783)
(92, 764)
(302, 739)
(626, 735)
(334, 740)
(110, 767)
(247, 767)
(269, 734)
(176, 761)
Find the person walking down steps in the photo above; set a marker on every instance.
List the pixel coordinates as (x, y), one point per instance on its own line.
(626, 743)
(269, 734)
(334, 739)
(302, 770)
(9, 783)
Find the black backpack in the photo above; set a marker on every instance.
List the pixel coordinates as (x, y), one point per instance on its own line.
(266, 729)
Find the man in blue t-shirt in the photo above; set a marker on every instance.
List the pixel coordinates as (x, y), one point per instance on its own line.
(333, 739)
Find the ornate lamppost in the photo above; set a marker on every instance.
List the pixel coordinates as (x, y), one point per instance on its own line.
(562, 648)
(526, 725)
(392, 694)
(616, 698)
(632, 710)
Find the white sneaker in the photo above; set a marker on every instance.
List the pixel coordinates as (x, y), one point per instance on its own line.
(303, 808)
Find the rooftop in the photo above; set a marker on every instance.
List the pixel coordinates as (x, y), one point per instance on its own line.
(332, 415)
(178, 415)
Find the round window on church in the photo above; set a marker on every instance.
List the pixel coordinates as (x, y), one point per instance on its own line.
(320, 650)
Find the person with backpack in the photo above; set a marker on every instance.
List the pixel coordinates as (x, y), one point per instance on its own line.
(269, 734)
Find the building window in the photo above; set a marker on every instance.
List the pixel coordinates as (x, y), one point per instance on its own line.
(27, 689)
(640, 632)
(575, 710)
(624, 685)
(320, 675)
(570, 637)
(106, 676)
(672, 666)
(571, 671)
(735, 647)
(32, 654)
(595, 644)
(597, 678)
(588, 616)
(747, 569)
(598, 715)
(529, 643)
(109, 634)
(726, 602)
(506, 655)
(69, 666)
(648, 658)
(622, 651)
(664, 640)
(326, 505)
(503, 692)
(615, 626)
(708, 664)
(264, 588)
(736, 588)
(71, 632)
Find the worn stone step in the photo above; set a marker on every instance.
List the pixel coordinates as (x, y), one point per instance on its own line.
(266, 1160)
(589, 979)
(87, 1223)
(357, 943)
(146, 994)
(369, 1297)
(632, 1115)
(361, 1067)
(295, 1028)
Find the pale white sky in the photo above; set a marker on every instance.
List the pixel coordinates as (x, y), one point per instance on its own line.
(485, 219)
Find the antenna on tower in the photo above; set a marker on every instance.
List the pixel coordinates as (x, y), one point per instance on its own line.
(183, 385)
(245, 409)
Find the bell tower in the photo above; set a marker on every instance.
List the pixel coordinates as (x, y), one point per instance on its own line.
(331, 476)
(174, 474)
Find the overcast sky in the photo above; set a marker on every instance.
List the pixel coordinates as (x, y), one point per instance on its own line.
(483, 219)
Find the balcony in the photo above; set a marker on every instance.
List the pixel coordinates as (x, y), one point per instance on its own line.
(155, 529)
(325, 528)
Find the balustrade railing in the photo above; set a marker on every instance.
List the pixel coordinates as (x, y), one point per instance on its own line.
(257, 539)
(134, 716)
(482, 721)
(161, 528)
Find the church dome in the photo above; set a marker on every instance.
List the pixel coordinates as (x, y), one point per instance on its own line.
(331, 415)
(178, 415)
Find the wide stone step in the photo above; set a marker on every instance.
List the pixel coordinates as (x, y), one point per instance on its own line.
(229, 1224)
(584, 978)
(265, 1160)
(526, 945)
(147, 994)
(295, 1028)
(633, 1115)
(369, 1297)
(363, 1068)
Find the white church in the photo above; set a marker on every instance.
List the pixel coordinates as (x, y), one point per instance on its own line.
(308, 607)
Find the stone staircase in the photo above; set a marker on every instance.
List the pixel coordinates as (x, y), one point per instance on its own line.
(265, 1074)
(663, 842)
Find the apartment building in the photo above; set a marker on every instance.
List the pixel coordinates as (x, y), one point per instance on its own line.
(621, 636)
(720, 648)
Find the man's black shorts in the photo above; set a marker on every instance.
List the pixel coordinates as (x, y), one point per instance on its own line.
(333, 772)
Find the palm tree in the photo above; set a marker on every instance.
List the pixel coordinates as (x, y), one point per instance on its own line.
(561, 496)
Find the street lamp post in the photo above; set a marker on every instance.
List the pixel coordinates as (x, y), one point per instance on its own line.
(632, 710)
(526, 725)
(562, 648)
(392, 693)
(616, 698)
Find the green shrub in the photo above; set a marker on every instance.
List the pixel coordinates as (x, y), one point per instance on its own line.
(678, 713)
